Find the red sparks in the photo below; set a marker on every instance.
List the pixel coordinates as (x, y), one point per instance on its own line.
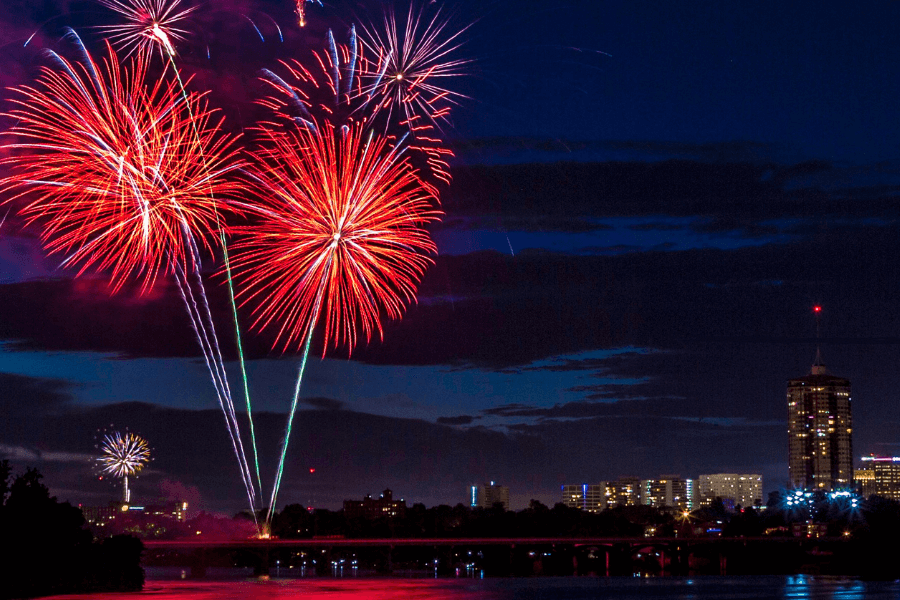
(817, 308)
(340, 234)
(120, 174)
(330, 89)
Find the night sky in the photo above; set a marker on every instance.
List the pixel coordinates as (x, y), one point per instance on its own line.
(648, 199)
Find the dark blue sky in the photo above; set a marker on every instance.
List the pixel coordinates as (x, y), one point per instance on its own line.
(648, 198)
(812, 79)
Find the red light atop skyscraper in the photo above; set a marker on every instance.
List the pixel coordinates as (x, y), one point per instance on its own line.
(817, 309)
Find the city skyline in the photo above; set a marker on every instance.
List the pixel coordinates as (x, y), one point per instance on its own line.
(647, 201)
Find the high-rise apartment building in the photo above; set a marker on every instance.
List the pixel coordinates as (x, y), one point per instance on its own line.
(885, 476)
(489, 494)
(669, 490)
(733, 488)
(585, 496)
(819, 429)
(625, 491)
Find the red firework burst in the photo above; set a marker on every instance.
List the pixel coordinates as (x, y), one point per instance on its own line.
(340, 234)
(121, 175)
(330, 89)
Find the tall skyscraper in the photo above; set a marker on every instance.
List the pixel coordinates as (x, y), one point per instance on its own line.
(820, 428)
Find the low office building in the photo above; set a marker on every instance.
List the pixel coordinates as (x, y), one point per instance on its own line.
(375, 508)
(744, 489)
(885, 476)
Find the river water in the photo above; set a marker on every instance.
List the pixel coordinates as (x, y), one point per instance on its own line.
(542, 588)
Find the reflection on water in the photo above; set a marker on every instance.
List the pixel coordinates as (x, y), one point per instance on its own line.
(309, 589)
(805, 586)
(796, 587)
(543, 588)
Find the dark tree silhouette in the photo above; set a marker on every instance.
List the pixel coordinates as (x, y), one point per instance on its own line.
(48, 549)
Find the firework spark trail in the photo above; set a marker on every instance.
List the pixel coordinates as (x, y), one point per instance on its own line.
(296, 104)
(187, 295)
(122, 175)
(293, 411)
(221, 367)
(405, 79)
(190, 302)
(300, 10)
(258, 32)
(329, 95)
(341, 238)
(277, 27)
(217, 352)
(353, 59)
(237, 331)
(217, 373)
(123, 455)
(326, 193)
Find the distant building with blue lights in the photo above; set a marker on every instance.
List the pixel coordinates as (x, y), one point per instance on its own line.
(487, 495)
(589, 497)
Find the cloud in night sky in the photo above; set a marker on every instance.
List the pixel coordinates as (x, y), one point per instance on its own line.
(323, 403)
(458, 420)
(551, 303)
(21, 395)
(33, 457)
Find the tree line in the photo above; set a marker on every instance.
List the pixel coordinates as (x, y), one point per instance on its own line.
(48, 549)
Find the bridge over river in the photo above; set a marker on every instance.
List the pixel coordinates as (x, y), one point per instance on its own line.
(524, 556)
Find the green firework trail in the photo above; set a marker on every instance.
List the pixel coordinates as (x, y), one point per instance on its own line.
(296, 399)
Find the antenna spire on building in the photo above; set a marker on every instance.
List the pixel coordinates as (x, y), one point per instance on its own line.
(818, 367)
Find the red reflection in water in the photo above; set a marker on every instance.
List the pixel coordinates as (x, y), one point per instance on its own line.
(282, 589)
